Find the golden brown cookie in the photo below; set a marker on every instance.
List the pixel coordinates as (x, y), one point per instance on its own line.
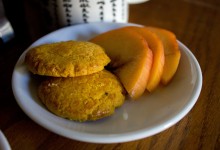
(66, 59)
(82, 98)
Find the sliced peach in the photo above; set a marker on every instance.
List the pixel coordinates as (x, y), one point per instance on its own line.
(130, 56)
(155, 44)
(172, 53)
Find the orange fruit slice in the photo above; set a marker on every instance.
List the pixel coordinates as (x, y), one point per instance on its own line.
(130, 56)
(172, 53)
(156, 45)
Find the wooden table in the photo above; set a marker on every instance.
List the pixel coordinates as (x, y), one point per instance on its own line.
(196, 23)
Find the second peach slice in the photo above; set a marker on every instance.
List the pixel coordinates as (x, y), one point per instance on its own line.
(131, 58)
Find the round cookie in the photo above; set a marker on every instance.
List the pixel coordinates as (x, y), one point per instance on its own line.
(82, 98)
(66, 59)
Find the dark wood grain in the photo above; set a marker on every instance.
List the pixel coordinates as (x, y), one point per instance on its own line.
(196, 23)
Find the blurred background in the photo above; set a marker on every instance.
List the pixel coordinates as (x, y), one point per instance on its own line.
(30, 22)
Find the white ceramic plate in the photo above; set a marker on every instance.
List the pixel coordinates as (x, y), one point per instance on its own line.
(4, 145)
(149, 115)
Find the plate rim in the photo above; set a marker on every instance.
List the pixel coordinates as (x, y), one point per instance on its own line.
(114, 138)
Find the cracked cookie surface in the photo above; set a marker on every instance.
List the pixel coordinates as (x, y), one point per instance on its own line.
(82, 98)
(66, 59)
